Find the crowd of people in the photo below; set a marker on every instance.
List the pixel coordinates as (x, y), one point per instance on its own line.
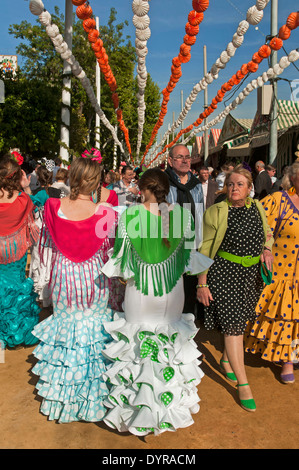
(127, 261)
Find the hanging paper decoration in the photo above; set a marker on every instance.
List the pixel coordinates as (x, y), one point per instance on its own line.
(195, 17)
(66, 54)
(141, 22)
(219, 64)
(85, 13)
(252, 66)
(284, 62)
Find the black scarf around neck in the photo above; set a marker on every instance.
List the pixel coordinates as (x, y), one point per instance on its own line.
(183, 190)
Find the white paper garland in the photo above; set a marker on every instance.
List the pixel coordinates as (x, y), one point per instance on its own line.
(141, 21)
(254, 14)
(37, 8)
(255, 83)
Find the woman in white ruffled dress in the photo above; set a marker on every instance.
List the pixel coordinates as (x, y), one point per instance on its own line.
(155, 370)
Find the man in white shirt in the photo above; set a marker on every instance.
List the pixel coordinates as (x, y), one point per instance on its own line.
(127, 191)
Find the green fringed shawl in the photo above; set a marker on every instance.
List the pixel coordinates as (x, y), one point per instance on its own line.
(144, 251)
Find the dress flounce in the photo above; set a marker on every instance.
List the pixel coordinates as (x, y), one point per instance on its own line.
(19, 311)
(154, 375)
(71, 366)
(275, 332)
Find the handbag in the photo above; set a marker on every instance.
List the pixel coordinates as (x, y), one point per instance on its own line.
(266, 274)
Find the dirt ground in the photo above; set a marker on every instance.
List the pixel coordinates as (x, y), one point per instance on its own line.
(220, 424)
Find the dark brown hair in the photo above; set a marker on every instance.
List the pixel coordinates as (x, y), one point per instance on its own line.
(62, 174)
(44, 176)
(10, 175)
(156, 181)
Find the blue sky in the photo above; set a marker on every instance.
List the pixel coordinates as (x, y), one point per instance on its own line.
(167, 24)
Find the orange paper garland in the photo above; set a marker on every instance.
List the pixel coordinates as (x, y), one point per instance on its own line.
(195, 17)
(264, 51)
(84, 12)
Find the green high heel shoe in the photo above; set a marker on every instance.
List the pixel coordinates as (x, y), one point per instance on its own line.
(249, 404)
(229, 375)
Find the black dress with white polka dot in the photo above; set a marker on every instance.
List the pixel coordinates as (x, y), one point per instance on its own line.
(234, 287)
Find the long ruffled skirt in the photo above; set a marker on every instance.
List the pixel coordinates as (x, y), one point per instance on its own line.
(275, 332)
(19, 310)
(155, 373)
(70, 362)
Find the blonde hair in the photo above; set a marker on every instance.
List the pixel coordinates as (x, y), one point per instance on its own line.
(291, 172)
(84, 176)
(240, 170)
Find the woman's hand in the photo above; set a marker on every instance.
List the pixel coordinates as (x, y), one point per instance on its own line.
(204, 296)
(25, 182)
(267, 258)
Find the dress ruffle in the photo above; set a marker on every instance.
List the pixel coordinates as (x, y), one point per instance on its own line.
(19, 311)
(275, 332)
(153, 376)
(71, 366)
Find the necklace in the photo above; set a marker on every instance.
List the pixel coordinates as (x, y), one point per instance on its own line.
(83, 199)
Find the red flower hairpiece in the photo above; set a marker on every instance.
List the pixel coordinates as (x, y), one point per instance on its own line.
(94, 154)
(17, 157)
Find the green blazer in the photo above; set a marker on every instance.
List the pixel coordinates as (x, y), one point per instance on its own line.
(215, 226)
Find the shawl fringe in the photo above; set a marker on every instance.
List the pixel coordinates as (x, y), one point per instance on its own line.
(164, 275)
(72, 274)
(14, 246)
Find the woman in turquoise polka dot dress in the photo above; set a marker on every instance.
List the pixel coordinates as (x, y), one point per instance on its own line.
(156, 371)
(275, 332)
(70, 362)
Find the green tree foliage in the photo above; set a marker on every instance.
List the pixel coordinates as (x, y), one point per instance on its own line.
(31, 116)
(25, 121)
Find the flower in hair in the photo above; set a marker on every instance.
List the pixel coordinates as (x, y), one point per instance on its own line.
(123, 164)
(246, 166)
(49, 164)
(17, 157)
(94, 154)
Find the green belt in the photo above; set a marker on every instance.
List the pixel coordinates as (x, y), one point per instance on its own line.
(244, 260)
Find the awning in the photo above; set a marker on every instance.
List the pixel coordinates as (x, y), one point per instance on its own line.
(239, 151)
(236, 142)
(264, 139)
(242, 139)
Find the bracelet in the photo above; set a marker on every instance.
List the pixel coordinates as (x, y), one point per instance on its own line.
(201, 285)
(266, 248)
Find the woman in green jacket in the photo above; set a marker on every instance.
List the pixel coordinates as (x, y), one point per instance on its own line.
(236, 235)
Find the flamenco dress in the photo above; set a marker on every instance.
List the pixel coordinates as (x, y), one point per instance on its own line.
(19, 310)
(235, 288)
(274, 333)
(70, 362)
(155, 371)
(37, 271)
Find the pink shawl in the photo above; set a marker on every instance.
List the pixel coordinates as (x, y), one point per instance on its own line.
(77, 246)
(79, 240)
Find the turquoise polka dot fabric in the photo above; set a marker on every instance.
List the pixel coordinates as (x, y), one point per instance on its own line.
(70, 363)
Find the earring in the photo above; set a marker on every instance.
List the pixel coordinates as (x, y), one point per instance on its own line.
(248, 202)
(292, 191)
(94, 196)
